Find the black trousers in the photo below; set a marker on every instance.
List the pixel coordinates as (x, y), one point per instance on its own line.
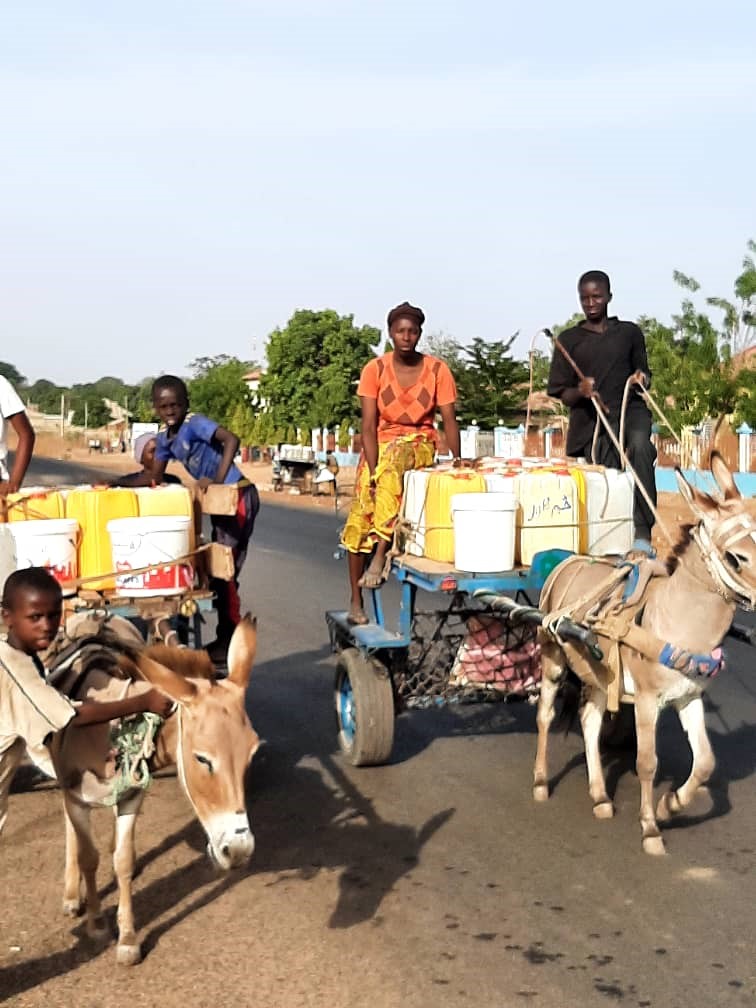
(641, 455)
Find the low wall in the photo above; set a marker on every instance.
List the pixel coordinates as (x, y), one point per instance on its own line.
(665, 477)
(666, 481)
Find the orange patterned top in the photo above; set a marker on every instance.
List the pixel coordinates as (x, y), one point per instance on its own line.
(408, 410)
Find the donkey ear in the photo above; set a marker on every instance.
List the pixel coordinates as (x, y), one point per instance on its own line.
(173, 684)
(699, 502)
(724, 478)
(241, 651)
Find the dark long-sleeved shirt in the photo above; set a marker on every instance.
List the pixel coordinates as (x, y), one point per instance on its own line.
(609, 358)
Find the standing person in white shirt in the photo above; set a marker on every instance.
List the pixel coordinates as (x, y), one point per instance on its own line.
(12, 411)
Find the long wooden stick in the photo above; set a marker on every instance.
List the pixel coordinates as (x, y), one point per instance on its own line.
(595, 397)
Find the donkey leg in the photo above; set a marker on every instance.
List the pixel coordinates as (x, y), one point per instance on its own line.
(551, 671)
(128, 951)
(646, 715)
(591, 719)
(88, 859)
(692, 719)
(72, 902)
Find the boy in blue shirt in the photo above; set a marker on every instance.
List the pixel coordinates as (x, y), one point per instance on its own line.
(207, 450)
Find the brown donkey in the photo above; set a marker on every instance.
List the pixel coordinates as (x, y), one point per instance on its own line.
(710, 572)
(210, 740)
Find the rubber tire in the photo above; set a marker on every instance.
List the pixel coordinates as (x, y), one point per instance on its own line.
(372, 699)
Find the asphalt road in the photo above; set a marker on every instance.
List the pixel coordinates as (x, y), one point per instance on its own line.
(432, 881)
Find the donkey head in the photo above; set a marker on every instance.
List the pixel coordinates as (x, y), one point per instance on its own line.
(725, 534)
(215, 745)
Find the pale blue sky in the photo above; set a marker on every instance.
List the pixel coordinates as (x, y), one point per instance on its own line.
(179, 177)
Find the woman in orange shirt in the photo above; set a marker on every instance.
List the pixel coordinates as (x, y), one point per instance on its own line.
(400, 393)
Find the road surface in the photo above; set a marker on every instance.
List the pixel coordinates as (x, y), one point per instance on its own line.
(434, 881)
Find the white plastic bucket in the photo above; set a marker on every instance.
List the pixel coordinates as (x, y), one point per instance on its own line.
(50, 543)
(153, 541)
(484, 531)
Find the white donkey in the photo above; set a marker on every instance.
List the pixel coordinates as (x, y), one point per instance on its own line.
(711, 571)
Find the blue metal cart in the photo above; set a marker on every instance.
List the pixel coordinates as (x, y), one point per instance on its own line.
(183, 612)
(382, 671)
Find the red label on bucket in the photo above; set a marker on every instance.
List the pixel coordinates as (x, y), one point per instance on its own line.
(63, 573)
(171, 578)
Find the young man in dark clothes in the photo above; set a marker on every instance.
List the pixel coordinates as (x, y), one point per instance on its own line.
(607, 351)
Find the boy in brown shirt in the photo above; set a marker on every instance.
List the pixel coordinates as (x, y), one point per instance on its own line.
(31, 710)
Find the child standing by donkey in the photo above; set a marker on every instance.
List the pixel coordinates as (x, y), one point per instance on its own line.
(31, 710)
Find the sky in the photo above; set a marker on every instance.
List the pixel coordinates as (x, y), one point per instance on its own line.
(180, 176)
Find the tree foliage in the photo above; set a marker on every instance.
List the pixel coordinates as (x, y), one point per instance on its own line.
(447, 349)
(739, 312)
(218, 388)
(45, 395)
(493, 386)
(12, 374)
(314, 365)
(691, 362)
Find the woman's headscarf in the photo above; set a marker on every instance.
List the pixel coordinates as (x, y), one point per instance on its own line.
(406, 310)
(140, 444)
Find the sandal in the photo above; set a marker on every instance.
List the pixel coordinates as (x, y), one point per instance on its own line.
(357, 617)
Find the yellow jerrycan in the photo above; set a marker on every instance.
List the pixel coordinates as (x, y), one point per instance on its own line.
(441, 487)
(35, 503)
(93, 508)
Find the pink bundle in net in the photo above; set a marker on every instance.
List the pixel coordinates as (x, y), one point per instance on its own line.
(486, 658)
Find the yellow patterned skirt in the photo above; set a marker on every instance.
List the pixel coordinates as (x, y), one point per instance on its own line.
(375, 508)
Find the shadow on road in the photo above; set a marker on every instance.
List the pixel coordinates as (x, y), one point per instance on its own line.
(306, 822)
(311, 812)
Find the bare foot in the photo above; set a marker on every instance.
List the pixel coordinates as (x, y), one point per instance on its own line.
(372, 578)
(357, 616)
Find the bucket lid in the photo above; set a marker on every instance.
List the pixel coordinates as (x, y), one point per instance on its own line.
(494, 500)
(44, 526)
(149, 523)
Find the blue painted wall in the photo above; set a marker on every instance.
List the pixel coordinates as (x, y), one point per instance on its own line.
(665, 480)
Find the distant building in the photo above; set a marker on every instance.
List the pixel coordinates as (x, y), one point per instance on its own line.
(252, 381)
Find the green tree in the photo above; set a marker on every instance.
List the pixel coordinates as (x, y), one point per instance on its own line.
(45, 395)
(692, 379)
(140, 401)
(94, 395)
(89, 409)
(243, 423)
(314, 365)
(218, 387)
(738, 313)
(746, 407)
(541, 364)
(493, 385)
(12, 374)
(447, 349)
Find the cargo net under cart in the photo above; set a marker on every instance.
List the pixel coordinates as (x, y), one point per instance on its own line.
(466, 653)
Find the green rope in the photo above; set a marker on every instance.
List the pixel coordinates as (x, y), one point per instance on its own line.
(133, 738)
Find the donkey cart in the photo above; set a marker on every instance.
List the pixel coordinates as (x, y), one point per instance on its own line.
(474, 640)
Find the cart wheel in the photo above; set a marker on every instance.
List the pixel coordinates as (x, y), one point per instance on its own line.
(618, 730)
(364, 709)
